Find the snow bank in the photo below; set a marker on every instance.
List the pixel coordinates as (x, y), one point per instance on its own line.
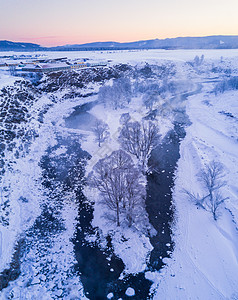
(26, 196)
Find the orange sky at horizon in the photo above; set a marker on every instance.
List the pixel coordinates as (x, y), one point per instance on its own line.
(60, 22)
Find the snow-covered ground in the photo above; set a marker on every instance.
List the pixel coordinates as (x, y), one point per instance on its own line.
(52, 255)
(204, 264)
(138, 56)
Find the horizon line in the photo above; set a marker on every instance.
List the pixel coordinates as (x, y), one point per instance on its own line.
(111, 41)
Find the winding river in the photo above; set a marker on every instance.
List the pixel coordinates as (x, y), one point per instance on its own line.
(99, 269)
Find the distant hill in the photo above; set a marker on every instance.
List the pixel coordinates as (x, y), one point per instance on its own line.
(14, 46)
(207, 42)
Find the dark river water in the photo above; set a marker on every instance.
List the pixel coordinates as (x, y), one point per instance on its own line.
(81, 118)
(159, 194)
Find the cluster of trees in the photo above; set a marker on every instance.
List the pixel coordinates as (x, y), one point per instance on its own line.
(212, 179)
(157, 96)
(117, 95)
(226, 85)
(149, 71)
(116, 176)
(118, 181)
(136, 138)
(198, 61)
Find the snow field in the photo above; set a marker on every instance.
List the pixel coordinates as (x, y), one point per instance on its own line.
(204, 264)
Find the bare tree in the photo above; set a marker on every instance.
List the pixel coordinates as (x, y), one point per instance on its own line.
(101, 131)
(116, 178)
(212, 178)
(139, 139)
(215, 201)
(150, 98)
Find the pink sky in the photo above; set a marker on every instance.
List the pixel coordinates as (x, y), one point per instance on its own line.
(59, 22)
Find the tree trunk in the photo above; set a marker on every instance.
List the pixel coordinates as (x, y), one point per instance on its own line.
(130, 221)
(214, 214)
(118, 216)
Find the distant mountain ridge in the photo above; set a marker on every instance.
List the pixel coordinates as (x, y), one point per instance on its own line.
(206, 42)
(9, 46)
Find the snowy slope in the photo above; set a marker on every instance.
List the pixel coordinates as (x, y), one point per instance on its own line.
(204, 264)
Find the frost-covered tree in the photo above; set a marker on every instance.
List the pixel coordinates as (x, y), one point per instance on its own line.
(105, 95)
(135, 195)
(150, 98)
(212, 176)
(227, 84)
(202, 59)
(117, 179)
(116, 96)
(122, 86)
(215, 200)
(198, 61)
(125, 118)
(108, 178)
(139, 139)
(212, 179)
(101, 132)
